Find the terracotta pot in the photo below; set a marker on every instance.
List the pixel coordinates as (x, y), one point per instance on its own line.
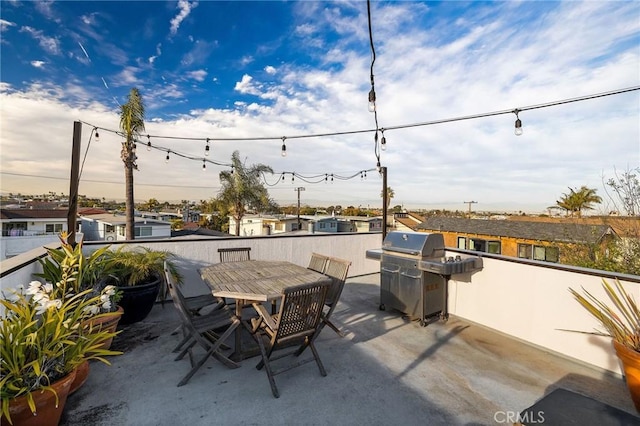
(82, 372)
(631, 363)
(47, 412)
(108, 323)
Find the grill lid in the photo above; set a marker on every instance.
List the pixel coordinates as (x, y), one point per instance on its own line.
(414, 243)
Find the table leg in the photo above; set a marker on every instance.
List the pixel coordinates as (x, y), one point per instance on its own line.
(237, 352)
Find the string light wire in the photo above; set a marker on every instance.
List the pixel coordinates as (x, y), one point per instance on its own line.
(388, 128)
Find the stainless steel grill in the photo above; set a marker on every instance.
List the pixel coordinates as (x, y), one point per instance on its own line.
(414, 274)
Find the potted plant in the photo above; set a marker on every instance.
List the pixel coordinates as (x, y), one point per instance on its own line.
(621, 322)
(91, 273)
(44, 338)
(139, 274)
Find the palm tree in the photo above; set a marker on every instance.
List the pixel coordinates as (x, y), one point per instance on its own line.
(241, 188)
(390, 195)
(577, 200)
(131, 124)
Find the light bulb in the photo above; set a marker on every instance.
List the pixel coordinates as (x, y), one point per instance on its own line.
(383, 144)
(148, 143)
(204, 166)
(378, 167)
(518, 130)
(166, 160)
(284, 150)
(372, 100)
(97, 135)
(206, 148)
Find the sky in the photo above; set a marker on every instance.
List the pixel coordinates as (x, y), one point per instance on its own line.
(247, 74)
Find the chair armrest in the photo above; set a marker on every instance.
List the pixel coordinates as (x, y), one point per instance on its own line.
(264, 316)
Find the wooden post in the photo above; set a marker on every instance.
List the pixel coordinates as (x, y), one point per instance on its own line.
(74, 181)
(383, 170)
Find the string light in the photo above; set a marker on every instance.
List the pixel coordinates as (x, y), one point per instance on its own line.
(518, 130)
(284, 147)
(148, 143)
(204, 165)
(166, 160)
(372, 99)
(95, 129)
(206, 148)
(383, 142)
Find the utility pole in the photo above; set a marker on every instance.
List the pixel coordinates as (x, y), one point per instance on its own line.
(469, 203)
(298, 189)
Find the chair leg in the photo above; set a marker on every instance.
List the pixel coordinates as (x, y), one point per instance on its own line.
(184, 351)
(265, 363)
(334, 328)
(213, 351)
(317, 357)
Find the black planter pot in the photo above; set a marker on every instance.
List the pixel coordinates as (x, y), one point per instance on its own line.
(137, 301)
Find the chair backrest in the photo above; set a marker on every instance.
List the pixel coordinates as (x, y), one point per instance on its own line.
(235, 254)
(176, 296)
(337, 269)
(318, 262)
(299, 312)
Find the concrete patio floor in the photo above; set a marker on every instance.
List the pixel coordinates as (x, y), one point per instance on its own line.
(387, 370)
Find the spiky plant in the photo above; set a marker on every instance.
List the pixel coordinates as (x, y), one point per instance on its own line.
(621, 321)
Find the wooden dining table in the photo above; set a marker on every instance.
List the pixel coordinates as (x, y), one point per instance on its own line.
(255, 281)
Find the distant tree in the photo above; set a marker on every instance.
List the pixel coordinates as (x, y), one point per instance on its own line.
(390, 195)
(177, 224)
(624, 191)
(131, 124)
(152, 205)
(577, 200)
(242, 188)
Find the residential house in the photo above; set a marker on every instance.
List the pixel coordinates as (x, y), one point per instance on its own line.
(406, 221)
(251, 225)
(366, 224)
(528, 240)
(111, 227)
(26, 229)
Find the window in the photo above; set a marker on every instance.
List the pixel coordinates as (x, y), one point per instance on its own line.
(546, 253)
(462, 243)
(525, 251)
(494, 247)
(279, 226)
(477, 244)
(51, 228)
(322, 225)
(109, 228)
(121, 230)
(143, 231)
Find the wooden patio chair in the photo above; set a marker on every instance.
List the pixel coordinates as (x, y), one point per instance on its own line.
(318, 262)
(234, 254)
(337, 269)
(296, 322)
(202, 330)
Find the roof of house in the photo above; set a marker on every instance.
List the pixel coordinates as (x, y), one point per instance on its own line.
(122, 220)
(542, 231)
(27, 214)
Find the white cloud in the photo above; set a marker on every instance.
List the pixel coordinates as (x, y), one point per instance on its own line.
(38, 64)
(198, 75)
(50, 44)
(127, 77)
(246, 86)
(246, 60)
(270, 70)
(185, 9)
(4, 25)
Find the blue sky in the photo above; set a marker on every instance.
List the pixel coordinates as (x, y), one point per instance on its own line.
(258, 71)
